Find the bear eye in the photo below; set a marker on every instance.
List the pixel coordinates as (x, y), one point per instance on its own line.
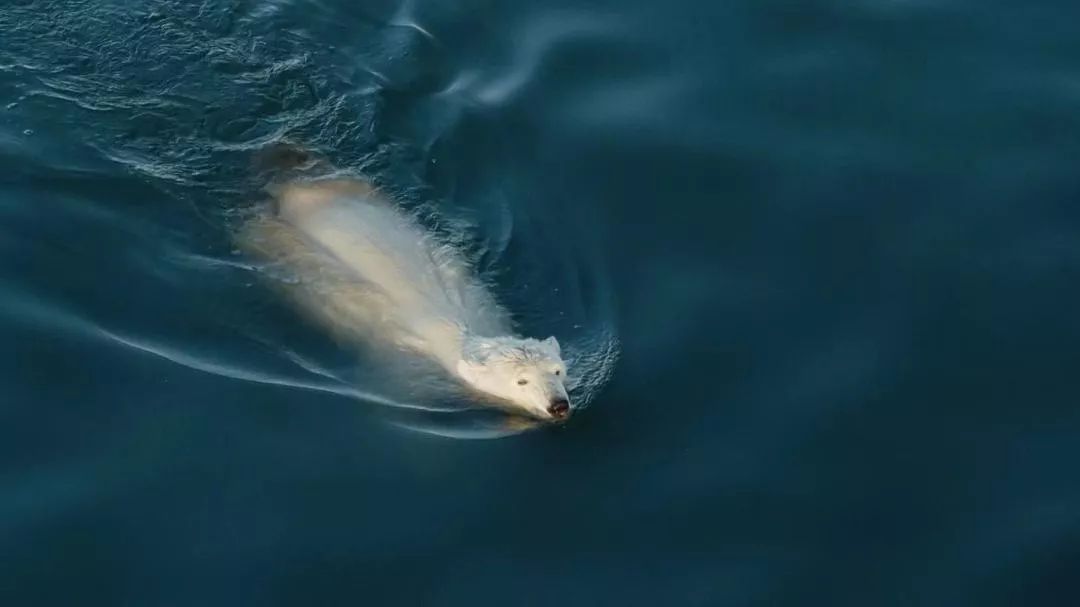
(522, 382)
(558, 372)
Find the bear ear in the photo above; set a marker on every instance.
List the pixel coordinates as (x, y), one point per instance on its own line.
(554, 343)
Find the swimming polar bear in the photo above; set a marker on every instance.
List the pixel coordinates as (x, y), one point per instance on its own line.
(370, 272)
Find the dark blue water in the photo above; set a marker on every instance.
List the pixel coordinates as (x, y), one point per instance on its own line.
(832, 245)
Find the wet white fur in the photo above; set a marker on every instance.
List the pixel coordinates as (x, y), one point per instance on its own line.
(368, 271)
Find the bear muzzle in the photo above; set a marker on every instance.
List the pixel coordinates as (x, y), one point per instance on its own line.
(559, 408)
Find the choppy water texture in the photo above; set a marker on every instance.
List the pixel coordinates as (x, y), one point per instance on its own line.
(833, 245)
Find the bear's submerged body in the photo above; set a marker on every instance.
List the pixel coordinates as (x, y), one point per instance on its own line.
(370, 272)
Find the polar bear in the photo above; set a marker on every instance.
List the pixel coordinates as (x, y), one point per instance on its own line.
(368, 271)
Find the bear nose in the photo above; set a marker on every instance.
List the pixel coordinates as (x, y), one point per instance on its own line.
(560, 408)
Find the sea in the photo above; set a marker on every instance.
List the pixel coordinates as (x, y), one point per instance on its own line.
(814, 266)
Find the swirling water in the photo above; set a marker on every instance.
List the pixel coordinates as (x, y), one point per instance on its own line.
(833, 245)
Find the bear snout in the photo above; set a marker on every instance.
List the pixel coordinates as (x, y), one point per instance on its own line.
(560, 408)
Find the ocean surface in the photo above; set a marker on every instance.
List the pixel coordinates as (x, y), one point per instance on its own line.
(816, 264)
